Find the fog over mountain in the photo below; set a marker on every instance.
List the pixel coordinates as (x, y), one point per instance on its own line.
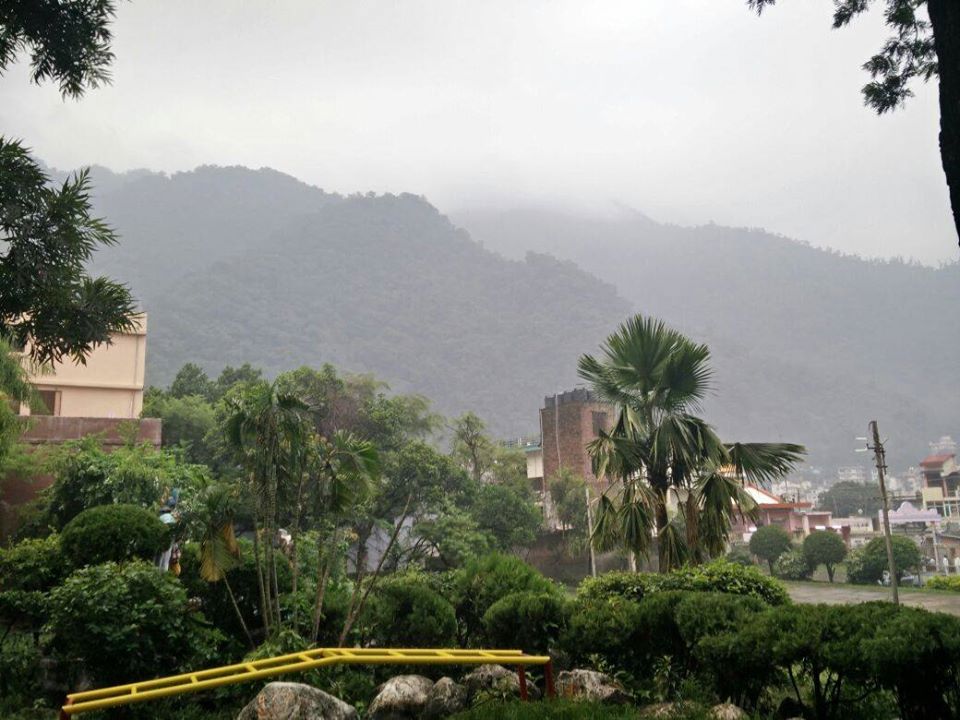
(238, 265)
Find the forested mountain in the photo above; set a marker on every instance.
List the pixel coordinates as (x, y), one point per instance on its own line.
(809, 345)
(242, 266)
(236, 265)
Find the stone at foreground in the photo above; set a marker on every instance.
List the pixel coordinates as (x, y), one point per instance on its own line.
(294, 701)
(403, 697)
(446, 698)
(727, 711)
(496, 681)
(666, 711)
(590, 685)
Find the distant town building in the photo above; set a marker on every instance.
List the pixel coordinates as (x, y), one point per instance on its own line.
(797, 518)
(568, 422)
(946, 445)
(851, 473)
(941, 480)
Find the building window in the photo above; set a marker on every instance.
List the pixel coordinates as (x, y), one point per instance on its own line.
(49, 403)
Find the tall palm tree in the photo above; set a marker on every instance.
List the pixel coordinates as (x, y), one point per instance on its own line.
(268, 429)
(660, 450)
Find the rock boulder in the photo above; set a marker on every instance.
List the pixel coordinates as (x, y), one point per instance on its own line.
(294, 701)
(590, 685)
(446, 698)
(403, 697)
(497, 681)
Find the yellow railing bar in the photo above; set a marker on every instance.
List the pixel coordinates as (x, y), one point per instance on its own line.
(282, 664)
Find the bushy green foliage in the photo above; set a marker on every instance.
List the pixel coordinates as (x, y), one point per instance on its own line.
(87, 476)
(793, 565)
(916, 655)
(510, 517)
(604, 633)
(484, 581)
(626, 585)
(740, 554)
(824, 548)
(769, 543)
(726, 577)
(944, 582)
(32, 564)
(404, 611)
(867, 565)
(187, 421)
(530, 621)
(125, 622)
(113, 533)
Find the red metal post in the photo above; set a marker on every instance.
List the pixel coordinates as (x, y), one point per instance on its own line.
(522, 676)
(63, 713)
(548, 671)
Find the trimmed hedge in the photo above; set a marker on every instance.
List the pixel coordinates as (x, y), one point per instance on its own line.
(530, 621)
(113, 533)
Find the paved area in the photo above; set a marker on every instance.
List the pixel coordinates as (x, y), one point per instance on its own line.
(814, 592)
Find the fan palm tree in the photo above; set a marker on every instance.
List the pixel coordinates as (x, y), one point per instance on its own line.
(659, 447)
(267, 429)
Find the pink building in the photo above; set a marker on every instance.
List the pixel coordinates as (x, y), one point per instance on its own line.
(797, 518)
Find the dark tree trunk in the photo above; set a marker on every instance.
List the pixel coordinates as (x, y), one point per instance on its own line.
(945, 20)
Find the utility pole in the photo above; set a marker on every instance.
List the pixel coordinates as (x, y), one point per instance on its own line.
(880, 456)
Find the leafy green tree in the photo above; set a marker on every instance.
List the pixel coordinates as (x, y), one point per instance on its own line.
(191, 380)
(793, 565)
(230, 377)
(847, 499)
(452, 537)
(511, 518)
(824, 548)
(769, 543)
(405, 612)
(656, 378)
(868, 564)
(918, 48)
(471, 446)
(187, 423)
(124, 623)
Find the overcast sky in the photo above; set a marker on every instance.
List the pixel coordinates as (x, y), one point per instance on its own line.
(688, 110)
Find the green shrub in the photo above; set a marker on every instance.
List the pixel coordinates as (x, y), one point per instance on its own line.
(730, 666)
(626, 585)
(944, 582)
(604, 633)
(793, 565)
(916, 655)
(126, 622)
(550, 710)
(404, 612)
(824, 548)
(726, 577)
(32, 565)
(484, 581)
(769, 543)
(529, 621)
(113, 533)
(867, 565)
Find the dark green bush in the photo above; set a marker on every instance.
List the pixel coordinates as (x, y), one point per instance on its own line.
(32, 565)
(554, 710)
(740, 554)
(793, 565)
(604, 633)
(944, 582)
(483, 581)
(529, 621)
(126, 622)
(404, 612)
(726, 577)
(867, 565)
(627, 585)
(113, 533)
(769, 543)
(916, 655)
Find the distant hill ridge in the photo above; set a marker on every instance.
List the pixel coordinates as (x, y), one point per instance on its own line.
(238, 265)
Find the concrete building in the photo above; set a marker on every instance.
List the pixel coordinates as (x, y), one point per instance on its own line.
(108, 385)
(799, 519)
(941, 484)
(568, 422)
(852, 473)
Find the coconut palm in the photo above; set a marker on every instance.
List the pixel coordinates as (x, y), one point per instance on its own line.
(660, 450)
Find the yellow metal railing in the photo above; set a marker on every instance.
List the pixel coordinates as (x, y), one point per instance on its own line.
(88, 700)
